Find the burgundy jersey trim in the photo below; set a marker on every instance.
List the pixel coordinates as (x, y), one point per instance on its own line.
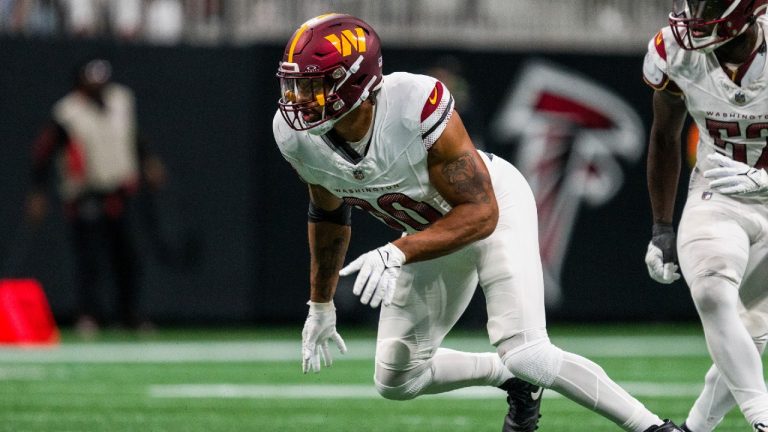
(658, 42)
(433, 101)
(441, 121)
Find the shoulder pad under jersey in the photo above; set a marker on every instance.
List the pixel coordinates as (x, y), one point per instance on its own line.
(284, 137)
(427, 104)
(655, 63)
(288, 143)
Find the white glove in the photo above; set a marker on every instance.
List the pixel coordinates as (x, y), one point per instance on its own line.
(379, 270)
(733, 177)
(661, 255)
(660, 271)
(319, 327)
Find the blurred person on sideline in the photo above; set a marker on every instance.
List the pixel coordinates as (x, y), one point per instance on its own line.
(710, 63)
(395, 147)
(93, 141)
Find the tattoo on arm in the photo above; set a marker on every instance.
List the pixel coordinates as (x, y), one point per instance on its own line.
(462, 174)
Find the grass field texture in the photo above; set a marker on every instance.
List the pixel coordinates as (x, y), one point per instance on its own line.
(251, 380)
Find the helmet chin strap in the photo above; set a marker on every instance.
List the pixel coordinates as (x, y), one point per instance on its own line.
(714, 46)
(711, 48)
(324, 127)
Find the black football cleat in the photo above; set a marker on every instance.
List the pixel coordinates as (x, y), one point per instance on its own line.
(667, 426)
(524, 401)
(760, 427)
(684, 428)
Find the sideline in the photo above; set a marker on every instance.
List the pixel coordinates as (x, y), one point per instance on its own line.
(359, 349)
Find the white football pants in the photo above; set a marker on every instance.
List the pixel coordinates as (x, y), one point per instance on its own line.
(715, 400)
(722, 248)
(432, 295)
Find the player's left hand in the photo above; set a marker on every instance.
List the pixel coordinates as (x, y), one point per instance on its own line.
(735, 178)
(379, 270)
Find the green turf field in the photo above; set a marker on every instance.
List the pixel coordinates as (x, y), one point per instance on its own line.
(251, 380)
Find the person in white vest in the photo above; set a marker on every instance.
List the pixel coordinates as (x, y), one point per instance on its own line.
(92, 140)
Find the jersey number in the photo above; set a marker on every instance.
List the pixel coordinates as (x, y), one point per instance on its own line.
(397, 217)
(739, 151)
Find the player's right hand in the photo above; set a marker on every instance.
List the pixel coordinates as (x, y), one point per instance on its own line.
(661, 257)
(319, 327)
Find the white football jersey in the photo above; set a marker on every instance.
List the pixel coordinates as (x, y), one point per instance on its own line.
(390, 180)
(732, 119)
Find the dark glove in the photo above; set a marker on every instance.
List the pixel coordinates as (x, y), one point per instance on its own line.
(661, 257)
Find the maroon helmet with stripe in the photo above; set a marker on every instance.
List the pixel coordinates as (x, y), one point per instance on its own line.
(708, 24)
(331, 64)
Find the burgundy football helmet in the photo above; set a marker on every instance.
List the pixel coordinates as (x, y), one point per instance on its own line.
(331, 64)
(708, 24)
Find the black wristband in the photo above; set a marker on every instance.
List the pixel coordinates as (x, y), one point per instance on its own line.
(341, 216)
(660, 228)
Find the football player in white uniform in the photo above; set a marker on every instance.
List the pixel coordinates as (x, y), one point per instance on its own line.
(394, 147)
(710, 62)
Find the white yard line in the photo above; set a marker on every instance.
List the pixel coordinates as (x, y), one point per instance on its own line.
(312, 391)
(22, 373)
(359, 349)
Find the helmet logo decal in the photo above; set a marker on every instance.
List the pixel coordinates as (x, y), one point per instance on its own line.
(312, 68)
(348, 41)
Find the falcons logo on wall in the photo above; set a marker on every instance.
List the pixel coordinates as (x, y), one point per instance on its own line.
(569, 134)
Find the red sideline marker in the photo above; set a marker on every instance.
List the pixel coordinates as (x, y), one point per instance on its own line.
(25, 316)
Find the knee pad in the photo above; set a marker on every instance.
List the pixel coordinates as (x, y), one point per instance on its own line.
(393, 355)
(406, 391)
(397, 375)
(537, 362)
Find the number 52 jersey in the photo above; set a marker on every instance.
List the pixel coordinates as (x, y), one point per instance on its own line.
(730, 108)
(389, 179)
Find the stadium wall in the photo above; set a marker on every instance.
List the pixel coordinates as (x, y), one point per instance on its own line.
(576, 124)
